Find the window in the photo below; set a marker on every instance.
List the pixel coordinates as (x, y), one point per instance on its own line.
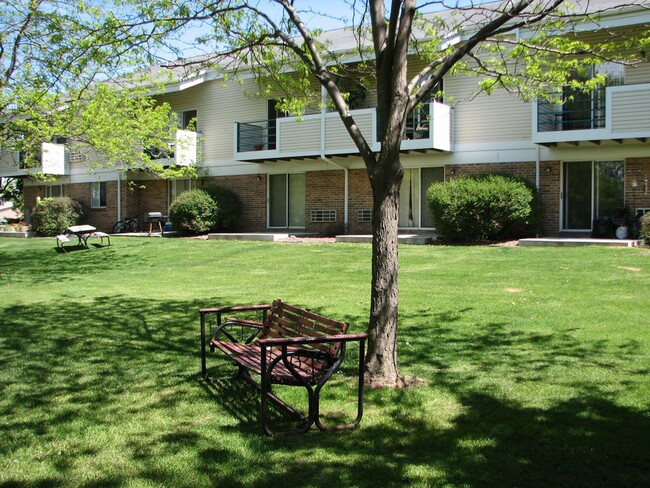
(52, 191)
(176, 187)
(287, 200)
(98, 195)
(187, 120)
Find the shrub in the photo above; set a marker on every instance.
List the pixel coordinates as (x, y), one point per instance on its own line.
(645, 228)
(490, 207)
(193, 212)
(229, 206)
(53, 216)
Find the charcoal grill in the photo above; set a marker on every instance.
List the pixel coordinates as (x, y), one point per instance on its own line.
(153, 218)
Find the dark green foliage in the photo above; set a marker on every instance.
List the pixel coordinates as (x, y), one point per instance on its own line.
(645, 228)
(53, 216)
(229, 206)
(490, 207)
(194, 212)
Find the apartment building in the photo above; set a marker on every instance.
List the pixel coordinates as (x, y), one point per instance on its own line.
(589, 156)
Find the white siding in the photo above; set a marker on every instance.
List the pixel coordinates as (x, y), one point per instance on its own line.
(637, 74)
(8, 163)
(337, 136)
(218, 108)
(631, 111)
(500, 116)
(299, 136)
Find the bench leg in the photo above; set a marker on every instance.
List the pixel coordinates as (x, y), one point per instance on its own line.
(267, 395)
(204, 369)
(356, 421)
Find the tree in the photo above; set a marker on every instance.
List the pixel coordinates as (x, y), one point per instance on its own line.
(63, 75)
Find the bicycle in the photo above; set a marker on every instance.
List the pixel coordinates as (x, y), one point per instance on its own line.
(129, 224)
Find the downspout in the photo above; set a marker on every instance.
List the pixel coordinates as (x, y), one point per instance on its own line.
(119, 195)
(346, 171)
(537, 173)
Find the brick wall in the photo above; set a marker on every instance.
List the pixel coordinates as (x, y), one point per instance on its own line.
(525, 170)
(360, 199)
(102, 218)
(251, 190)
(549, 188)
(639, 169)
(325, 190)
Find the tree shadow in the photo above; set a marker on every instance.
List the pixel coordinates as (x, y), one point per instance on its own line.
(117, 362)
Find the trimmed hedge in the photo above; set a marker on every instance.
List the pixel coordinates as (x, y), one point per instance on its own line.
(212, 208)
(53, 216)
(193, 212)
(484, 208)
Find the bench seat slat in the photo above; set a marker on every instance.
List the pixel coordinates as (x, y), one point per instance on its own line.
(249, 356)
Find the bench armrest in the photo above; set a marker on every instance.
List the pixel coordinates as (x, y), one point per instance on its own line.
(234, 309)
(290, 341)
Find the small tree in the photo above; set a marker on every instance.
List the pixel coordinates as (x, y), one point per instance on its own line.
(53, 216)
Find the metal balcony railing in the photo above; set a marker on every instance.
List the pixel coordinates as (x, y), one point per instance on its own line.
(582, 112)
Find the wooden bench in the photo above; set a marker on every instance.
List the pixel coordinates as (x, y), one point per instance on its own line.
(288, 346)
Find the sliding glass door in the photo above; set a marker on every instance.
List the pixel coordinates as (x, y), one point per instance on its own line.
(287, 200)
(591, 190)
(414, 210)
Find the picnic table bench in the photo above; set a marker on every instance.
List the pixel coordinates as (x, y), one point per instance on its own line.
(289, 346)
(82, 233)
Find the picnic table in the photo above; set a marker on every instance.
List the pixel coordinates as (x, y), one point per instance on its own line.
(82, 233)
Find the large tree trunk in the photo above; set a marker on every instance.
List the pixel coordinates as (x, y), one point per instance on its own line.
(381, 359)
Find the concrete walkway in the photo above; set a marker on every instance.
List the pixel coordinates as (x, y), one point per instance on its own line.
(578, 241)
(271, 236)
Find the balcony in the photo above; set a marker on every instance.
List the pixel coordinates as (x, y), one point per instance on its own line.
(428, 128)
(613, 113)
(53, 159)
(182, 150)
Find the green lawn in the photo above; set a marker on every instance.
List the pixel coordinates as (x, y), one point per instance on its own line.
(533, 367)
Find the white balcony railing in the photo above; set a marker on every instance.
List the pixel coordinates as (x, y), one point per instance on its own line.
(613, 113)
(325, 134)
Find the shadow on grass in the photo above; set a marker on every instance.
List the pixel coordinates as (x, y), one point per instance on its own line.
(45, 264)
(107, 392)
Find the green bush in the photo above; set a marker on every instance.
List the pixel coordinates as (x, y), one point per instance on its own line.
(229, 206)
(489, 207)
(194, 212)
(645, 228)
(53, 216)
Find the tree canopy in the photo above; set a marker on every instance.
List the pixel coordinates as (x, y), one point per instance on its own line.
(67, 72)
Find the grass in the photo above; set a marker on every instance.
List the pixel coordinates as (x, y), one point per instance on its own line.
(533, 367)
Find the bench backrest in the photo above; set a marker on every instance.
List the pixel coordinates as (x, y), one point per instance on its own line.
(285, 321)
